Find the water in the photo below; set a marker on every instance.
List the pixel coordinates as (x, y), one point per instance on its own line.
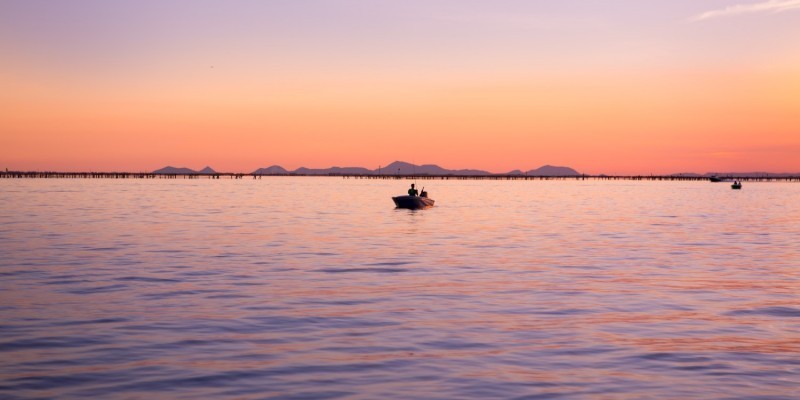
(305, 288)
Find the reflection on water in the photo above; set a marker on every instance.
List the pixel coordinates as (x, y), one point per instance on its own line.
(320, 288)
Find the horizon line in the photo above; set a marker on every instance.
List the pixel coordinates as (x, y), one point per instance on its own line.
(339, 174)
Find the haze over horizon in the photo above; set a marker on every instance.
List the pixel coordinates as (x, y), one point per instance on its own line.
(622, 87)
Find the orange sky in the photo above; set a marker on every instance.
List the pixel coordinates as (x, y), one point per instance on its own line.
(617, 96)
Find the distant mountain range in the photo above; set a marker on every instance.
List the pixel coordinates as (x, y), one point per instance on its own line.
(404, 168)
(395, 168)
(184, 171)
(273, 170)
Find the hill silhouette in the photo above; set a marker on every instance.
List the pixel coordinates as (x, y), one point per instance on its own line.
(406, 168)
(549, 170)
(395, 168)
(174, 170)
(271, 170)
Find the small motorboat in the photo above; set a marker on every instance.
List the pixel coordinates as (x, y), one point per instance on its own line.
(413, 202)
(736, 185)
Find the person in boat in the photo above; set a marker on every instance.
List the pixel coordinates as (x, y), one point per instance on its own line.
(412, 191)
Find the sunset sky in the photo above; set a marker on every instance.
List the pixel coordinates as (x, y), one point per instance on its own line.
(615, 87)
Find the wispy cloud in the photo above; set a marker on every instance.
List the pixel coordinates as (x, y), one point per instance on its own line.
(769, 6)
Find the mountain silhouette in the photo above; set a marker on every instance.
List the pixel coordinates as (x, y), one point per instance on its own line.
(395, 168)
(549, 170)
(404, 168)
(271, 170)
(173, 170)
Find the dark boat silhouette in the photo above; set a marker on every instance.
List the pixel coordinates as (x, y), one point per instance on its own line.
(736, 186)
(413, 202)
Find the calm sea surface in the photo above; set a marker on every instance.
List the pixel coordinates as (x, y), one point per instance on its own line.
(316, 288)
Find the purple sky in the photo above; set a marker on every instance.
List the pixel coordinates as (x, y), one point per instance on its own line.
(244, 68)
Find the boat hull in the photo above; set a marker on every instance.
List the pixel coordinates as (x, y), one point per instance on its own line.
(412, 202)
(736, 187)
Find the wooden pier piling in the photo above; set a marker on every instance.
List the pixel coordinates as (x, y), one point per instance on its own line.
(149, 175)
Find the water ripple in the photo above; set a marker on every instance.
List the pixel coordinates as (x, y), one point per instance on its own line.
(375, 270)
(769, 311)
(549, 289)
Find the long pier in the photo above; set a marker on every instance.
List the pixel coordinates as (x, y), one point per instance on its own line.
(143, 175)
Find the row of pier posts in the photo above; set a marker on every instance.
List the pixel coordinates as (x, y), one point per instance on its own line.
(139, 175)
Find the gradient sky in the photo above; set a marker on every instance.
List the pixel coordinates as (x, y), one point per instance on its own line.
(615, 87)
